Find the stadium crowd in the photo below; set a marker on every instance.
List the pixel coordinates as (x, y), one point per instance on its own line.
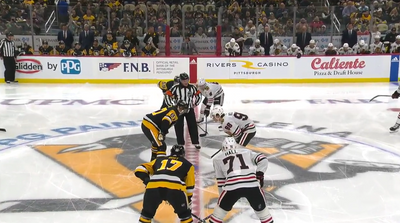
(250, 23)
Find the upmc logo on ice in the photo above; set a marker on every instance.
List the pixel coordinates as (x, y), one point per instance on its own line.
(136, 67)
(70, 66)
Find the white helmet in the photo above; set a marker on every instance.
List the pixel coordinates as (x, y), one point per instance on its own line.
(312, 41)
(330, 44)
(377, 37)
(233, 40)
(217, 110)
(398, 37)
(294, 46)
(276, 41)
(201, 83)
(228, 144)
(345, 45)
(362, 42)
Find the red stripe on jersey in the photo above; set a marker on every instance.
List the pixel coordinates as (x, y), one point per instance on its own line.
(221, 196)
(241, 178)
(260, 157)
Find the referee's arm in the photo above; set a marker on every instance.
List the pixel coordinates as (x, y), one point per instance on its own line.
(169, 100)
(197, 96)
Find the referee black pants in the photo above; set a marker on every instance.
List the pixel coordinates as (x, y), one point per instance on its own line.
(192, 127)
(9, 65)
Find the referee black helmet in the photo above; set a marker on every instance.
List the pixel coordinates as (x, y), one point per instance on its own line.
(178, 150)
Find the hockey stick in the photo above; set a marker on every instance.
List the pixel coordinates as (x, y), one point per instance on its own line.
(379, 96)
(205, 131)
(215, 153)
(206, 218)
(2, 130)
(200, 220)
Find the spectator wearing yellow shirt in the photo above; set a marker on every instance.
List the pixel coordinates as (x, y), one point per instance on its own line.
(29, 2)
(88, 17)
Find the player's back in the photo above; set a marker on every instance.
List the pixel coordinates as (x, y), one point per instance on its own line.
(170, 172)
(158, 116)
(233, 119)
(236, 169)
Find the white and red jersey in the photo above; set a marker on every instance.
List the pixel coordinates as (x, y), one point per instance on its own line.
(235, 123)
(236, 168)
(395, 47)
(377, 48)
(211, 91)
(293, 51)
(346, 51)
(311, 50)
(277, 49)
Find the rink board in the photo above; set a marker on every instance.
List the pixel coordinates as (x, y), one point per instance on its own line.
(139, 70)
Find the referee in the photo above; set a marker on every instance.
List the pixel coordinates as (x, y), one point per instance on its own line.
(189, 94)
(8, 54)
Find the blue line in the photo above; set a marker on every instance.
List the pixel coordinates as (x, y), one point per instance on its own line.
(290, 130)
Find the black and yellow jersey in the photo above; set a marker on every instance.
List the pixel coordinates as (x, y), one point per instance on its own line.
(62, 50)
(171, 172)
(149, 51)
(46, 51)
(162, 119)
(165, 85)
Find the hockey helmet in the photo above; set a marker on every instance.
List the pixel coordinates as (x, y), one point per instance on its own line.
(377, 37)
(398, 37)
(233, 40)
(201, 83)
(312, 41)
(294, 46)
(178, 150)
(217, 110)
(127, 43)
(228, 144)
(346, 45)
(330, 45)
(183, 76)
(182, 107)
(276, 41)
(176, 79)
(362, 42)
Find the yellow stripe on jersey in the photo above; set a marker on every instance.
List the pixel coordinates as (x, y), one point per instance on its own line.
(189, 220)
(154, 131)
(189, 181)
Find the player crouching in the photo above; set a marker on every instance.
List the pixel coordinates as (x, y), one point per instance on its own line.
(213, 95)
(172, 180)
(396, 126)
(240, 173)
(156, 125)
(235, 124)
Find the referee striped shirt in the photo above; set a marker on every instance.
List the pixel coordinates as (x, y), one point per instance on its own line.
(188, 94)
(7, 48)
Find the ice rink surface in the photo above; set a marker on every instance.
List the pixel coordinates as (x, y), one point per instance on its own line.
(70, 150)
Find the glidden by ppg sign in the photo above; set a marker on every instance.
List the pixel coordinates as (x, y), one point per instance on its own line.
(28, 66)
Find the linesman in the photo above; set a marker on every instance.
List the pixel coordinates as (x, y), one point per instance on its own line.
(165, 86)
(189, 94)
(172, 180)
(8, 53)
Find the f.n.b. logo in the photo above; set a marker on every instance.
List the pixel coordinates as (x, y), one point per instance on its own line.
(70, 66)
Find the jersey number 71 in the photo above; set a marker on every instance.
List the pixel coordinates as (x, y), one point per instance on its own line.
(230, 159)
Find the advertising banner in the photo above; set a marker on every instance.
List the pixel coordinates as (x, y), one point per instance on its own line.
(245, 67)
(140, 68)
(33, 67)
(342, 67)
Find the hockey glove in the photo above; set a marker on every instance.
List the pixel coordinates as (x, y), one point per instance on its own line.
(161, 137)
(146, 181)
(260, 178)
(143, 176)
(207, 112)
(395, 95)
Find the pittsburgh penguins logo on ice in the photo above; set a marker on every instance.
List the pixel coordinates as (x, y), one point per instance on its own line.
(109, 164)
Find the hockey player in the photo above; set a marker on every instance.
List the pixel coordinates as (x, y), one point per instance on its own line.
(361, 48)
(235, 124)
(110, 46)
(277, 48)
(240, 173)
(96, 49)
(232, 48)
(311, 49)
(345, 50)
(25, 49)
(156, 125)
(213, 95)
(150, 49)
(294, 50)
(257, 49)
(377, 46)
(61, 49)
(172, 180)
(45, 49)
(77, 51)
(127, 49)
(165, 86)
(395, 47)
(396, 126)
(330, 50)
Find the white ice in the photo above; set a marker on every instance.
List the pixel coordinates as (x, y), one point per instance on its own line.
(368, 196)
